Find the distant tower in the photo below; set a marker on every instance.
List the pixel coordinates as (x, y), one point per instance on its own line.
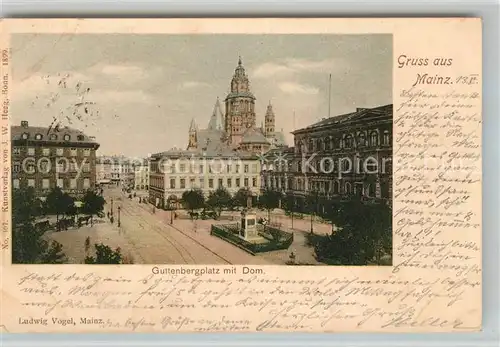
(240, 106)
(217, 120)
(193, 136)
(269, 120)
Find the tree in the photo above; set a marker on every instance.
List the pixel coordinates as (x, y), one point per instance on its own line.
(289, 205)
(28, 244)
(365, 234)
(241, 197)
(269, 200)
(105, 255)
(193, 199)
(92, 204)
(219, 200)
(56, 202)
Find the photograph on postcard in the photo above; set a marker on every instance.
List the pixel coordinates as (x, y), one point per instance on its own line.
(202, 149)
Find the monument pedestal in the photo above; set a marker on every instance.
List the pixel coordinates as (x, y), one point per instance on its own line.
(248, 230)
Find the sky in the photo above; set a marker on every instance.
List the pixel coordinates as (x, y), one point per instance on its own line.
(137, 94)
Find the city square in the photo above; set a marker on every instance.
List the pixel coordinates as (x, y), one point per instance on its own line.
(222, 190)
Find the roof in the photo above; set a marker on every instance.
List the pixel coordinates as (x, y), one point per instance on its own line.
(48, 134)
(254, 135)
(217, 119)
(220, 151)
(278, 138)
(360, 114)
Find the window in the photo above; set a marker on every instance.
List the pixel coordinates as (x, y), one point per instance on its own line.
(254, 168)
(15, 183)
(228, 167)
(67, 137)
(246, 181)
(31, 168)
(60, 151)
(172, 168)
(86, 167)
(374, 138)
(221, 183)
(210, 183)
(387, 140)
(86, 183)
(254, 182)
(16, 151)
(80, 137)
(237, 183)
(348, 141)
(201, 169)
(229, 183)
(72, 183)
(53, 137)
(25, 136)
(86, 152)
(245, 168)
(16, 167)
(38, 136)
(202, 183)
(44, 166)
(191, 183)
(361, 139)
(46, 151)
(183, 183)
(60, 183)
(31, 182)
(31, 151)
(182, 168)
(237, 169)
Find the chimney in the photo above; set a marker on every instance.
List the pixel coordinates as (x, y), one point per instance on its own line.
(24, 124)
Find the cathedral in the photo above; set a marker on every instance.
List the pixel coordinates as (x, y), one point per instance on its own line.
(235, 128)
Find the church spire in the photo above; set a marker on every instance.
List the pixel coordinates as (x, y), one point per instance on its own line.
(269, 119)
(217, 119)
(192, 126)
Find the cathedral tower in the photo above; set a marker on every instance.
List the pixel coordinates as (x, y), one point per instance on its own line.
(193, 135)
(240, 106)
(269, 120)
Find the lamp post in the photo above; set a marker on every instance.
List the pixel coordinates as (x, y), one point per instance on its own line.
(119, 216)
(111, 207)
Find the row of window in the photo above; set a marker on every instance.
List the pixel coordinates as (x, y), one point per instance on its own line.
(45, 167)
(55, 151)
(227, 183)
(348, 141)
(46, 183)
(53, 137)
(332, 187)
(214, 168)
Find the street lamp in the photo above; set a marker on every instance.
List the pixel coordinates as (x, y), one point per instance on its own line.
(119, 216)
(111, 207)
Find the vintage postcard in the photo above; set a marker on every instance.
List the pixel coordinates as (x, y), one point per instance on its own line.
(241, 175)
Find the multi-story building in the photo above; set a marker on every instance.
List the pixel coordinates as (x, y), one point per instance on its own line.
(141, 175)
(116, 170)
(176, 171)
(341, 156)
(44, 158)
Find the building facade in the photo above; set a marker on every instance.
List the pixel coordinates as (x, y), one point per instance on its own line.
(45, 158)
(176, 171)
(338, 157)
(115, 170)
(235, 127)
(141, 175)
